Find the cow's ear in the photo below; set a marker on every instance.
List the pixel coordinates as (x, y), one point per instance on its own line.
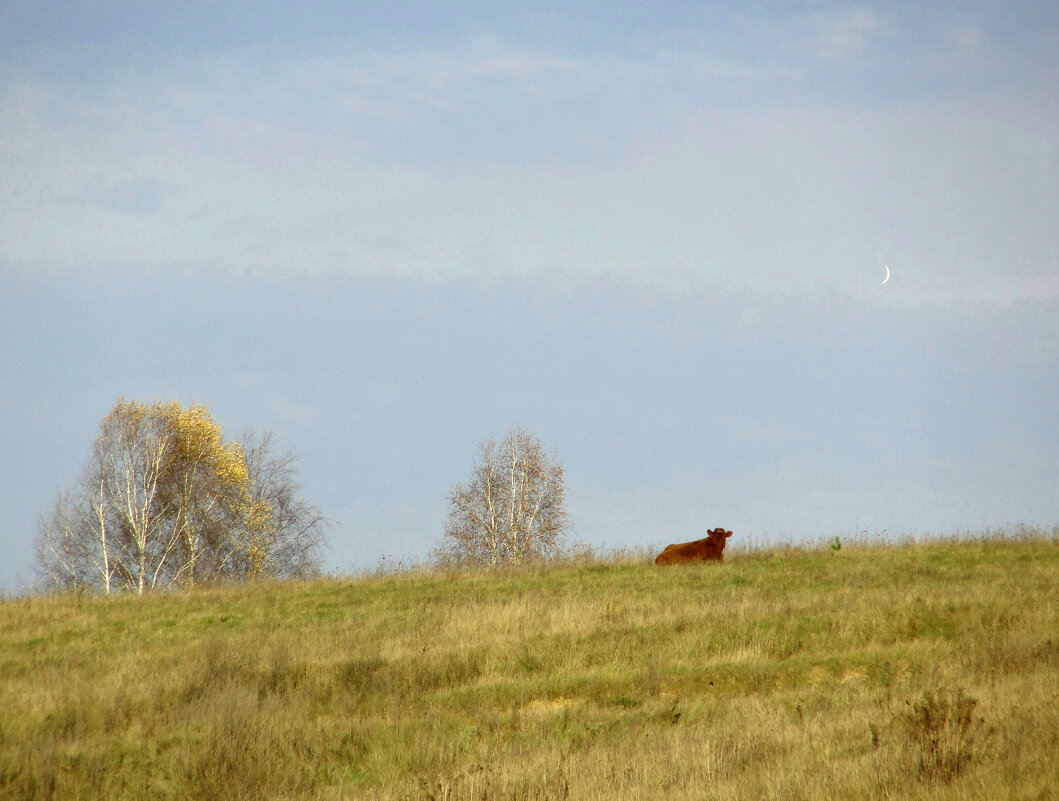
(728, 533)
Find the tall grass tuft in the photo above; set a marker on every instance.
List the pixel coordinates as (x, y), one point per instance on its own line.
(944, 733)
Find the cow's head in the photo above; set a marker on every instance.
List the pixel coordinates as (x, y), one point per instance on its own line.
(718, 538)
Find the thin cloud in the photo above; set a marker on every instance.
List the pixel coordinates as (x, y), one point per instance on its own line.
(671, 158)
(839, 37)
(967, 38)
(137, 196)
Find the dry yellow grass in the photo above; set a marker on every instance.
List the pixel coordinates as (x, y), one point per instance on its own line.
(877, 672)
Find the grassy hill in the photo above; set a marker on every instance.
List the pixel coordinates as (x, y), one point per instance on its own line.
(877, 671)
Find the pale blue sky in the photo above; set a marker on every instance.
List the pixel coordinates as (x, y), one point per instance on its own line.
(653, 234)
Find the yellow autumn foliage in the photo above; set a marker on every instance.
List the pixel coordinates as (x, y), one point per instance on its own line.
(258, 516)
(200, 440)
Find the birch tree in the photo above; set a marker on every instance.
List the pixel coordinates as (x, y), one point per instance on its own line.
(513, 508)
(113, 528)
(165, 502)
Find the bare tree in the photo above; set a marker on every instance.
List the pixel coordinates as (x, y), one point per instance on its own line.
(165, 502)
(282, 535)
(512, 510)
(66, 559)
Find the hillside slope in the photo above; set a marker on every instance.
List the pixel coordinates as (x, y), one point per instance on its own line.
(919, 671)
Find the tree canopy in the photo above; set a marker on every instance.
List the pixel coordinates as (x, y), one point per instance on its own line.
(164, 501)
(512, 510)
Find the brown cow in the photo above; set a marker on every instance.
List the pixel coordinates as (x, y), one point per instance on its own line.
(699, 551)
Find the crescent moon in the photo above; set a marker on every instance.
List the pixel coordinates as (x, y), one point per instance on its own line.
(887, 278)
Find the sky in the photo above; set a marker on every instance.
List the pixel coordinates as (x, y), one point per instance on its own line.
(654, 235)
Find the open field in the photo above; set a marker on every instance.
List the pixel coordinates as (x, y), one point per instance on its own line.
(926, 670)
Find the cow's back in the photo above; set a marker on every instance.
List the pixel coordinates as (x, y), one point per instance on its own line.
(683, 552)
